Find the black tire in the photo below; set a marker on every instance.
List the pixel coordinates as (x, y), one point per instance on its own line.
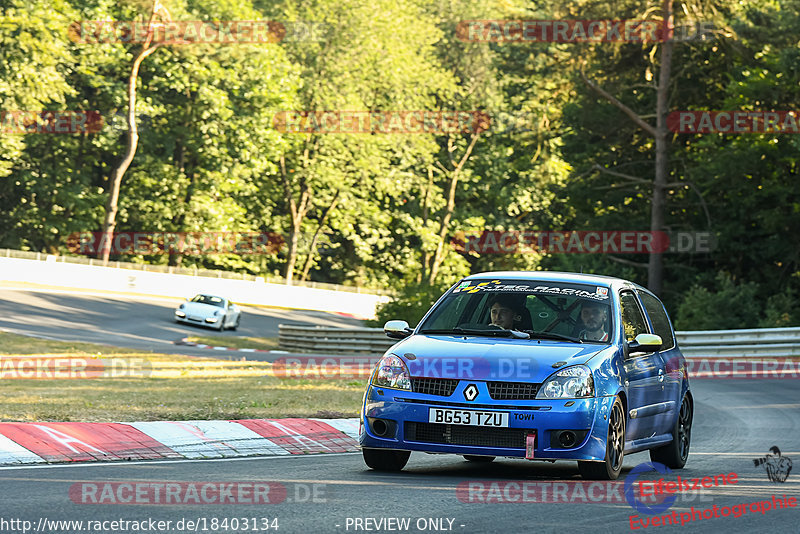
(385, 459)
(675, 453)
(236, 324)
(615, 448)
(478, 459)
(221, 326)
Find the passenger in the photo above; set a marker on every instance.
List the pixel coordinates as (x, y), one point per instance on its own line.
(594, 316)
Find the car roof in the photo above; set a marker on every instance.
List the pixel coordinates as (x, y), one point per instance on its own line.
(556, 276)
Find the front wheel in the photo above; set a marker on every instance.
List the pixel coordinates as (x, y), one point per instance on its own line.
(610, 468)
(385, 459)
(675, 453)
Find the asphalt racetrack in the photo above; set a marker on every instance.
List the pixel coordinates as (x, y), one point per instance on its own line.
(736, 422)
(138, 322)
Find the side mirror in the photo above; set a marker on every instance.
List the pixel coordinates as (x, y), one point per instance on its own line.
(397, 329)
(645, 343)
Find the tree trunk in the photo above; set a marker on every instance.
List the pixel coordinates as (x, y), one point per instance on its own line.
(313, 247)
(655, 267)
(110, 221)
(179, 159)
(425, 256)
(297, 211)
(660, 133)
(438, 256)
(293, 237)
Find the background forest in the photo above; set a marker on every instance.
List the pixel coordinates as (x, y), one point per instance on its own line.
(386, 207)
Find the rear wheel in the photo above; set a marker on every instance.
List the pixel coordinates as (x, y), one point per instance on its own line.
(385, 459)
(478, 459)
(610, 468)
(675, 453)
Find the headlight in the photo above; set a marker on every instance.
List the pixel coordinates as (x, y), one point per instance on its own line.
(568, 383)
(180, 313)
(391, 372)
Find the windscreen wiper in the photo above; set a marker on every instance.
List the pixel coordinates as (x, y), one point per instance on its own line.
(553, 335)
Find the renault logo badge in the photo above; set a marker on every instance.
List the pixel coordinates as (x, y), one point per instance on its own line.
(471, 392)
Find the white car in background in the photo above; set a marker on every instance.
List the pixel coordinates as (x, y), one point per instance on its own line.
(209, 310)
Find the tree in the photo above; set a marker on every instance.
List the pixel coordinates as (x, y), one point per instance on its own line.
(361, 64)
(660, 134)
(159, 12)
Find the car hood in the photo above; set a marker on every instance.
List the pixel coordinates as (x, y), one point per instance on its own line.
(489, 358)
(198, 308)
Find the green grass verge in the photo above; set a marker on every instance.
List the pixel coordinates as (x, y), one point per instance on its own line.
(179, 388)
(264, 343)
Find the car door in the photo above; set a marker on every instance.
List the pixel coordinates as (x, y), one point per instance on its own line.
(643, 372)
(671, 358)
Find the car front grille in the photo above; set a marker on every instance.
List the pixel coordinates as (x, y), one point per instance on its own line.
(477, 436)
(512, 390)
(444, 387)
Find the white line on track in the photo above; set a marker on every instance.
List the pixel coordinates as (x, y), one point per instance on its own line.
(159, 462)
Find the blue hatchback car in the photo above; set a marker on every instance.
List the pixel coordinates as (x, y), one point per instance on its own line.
(535, 365)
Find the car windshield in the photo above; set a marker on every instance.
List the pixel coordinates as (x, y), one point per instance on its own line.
(207, 299)
(545, 310)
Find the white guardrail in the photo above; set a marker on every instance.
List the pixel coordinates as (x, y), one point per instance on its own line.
(54, 271)
(745, 343)
(749, 343)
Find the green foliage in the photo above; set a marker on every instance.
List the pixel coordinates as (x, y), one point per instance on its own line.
(411, 303)
(782, 310)
(210, 159)
(725, 305)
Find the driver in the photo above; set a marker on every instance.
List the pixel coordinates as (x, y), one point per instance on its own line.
(594, 316)
(505, 311)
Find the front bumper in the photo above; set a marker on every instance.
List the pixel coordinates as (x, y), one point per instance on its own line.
(198, 320)
(408, 427)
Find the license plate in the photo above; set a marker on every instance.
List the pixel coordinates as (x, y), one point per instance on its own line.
(467, 417)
